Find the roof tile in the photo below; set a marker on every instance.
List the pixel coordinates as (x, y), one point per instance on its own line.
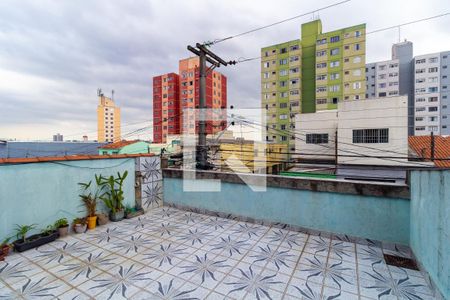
(118, 145)
(421, 145)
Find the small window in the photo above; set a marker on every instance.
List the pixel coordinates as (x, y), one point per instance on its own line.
(371, 136)
(334, 39)
(317, 138)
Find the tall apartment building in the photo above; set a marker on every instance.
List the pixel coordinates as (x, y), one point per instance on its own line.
(432, 94)
(166, 106)
(393, 77)
(179, 92)
(311, 74)
(108, 120)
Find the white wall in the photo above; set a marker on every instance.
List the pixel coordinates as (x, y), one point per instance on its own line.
(319, 122)
(391, 113)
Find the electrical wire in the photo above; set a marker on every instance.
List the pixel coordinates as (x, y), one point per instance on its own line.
(242, 59)
(216, 41)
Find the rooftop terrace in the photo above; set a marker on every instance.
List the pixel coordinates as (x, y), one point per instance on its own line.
(175, 254)
(216, 235)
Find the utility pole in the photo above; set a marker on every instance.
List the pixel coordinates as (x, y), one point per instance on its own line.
(336, 149)
(432, 146)
(205, 55)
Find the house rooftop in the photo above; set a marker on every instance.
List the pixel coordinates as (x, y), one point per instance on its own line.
(119, 144)
(421, 145)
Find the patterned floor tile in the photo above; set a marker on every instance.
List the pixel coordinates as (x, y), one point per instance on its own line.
(169, 253)
(302, 289)
(40, 286)
(334, 294)
(16, 270)
(73, 294)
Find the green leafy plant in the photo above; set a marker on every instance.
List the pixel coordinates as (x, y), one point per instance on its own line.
(48, 230)
(113, 191)
(61, 223)
(129, 209)
(81, 221)
(90, 199)
(22, 231)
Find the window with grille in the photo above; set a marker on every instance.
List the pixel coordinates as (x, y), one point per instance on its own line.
(317, 138)
(371, 136)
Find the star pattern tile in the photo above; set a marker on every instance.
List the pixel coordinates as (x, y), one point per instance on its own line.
(174, 254)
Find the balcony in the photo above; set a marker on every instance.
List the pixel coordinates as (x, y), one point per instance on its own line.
(300, 238)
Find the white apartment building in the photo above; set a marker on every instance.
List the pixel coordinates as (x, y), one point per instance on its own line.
(366, 127)
(391, 78)
(432, 94)
(373, 127)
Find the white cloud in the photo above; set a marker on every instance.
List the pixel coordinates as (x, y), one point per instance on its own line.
(55, 54)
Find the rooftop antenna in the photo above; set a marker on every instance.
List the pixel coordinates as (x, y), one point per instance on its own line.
(399, 35)
(99, 92)
(112, 95)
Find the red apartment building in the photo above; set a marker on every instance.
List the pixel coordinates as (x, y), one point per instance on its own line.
(166, 106)
(173, 93)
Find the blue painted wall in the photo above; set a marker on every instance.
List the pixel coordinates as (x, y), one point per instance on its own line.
(385, 219)
(41, 193)
(430, 224)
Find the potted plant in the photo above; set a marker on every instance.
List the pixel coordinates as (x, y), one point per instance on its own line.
(90, 200)
(131, 212)
(25, 242)
(4, 251)
(63, 227)
(113, 195)
(102, 218)
(79, 225)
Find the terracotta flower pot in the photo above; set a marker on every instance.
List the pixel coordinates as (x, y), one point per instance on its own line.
(92, 222)
(63, 231)
(4, 251)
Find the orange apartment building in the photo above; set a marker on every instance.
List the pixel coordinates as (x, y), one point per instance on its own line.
(173, 93)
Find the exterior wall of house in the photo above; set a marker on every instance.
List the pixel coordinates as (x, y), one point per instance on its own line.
(430, 224)
(323, 123)
(384, 113)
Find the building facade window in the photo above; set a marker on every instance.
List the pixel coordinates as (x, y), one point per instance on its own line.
(371, 136)
(334, 39)
(317, 138)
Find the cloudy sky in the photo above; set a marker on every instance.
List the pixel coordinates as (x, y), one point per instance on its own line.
(55, 54)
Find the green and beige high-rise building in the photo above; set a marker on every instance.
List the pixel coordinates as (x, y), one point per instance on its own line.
(311, 74)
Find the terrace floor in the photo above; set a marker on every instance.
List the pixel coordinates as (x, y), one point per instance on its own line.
(175, 254)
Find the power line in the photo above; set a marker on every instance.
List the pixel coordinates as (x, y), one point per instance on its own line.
(216, 41)
(242, 59)
(349, 151)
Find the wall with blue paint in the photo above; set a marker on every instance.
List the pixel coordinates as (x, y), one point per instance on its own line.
(430, 224)
(380, 218)
(40, 193)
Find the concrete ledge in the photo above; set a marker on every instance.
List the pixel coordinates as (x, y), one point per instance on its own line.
(310, 184)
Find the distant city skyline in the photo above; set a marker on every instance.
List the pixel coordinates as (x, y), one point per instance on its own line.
(55, 55)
